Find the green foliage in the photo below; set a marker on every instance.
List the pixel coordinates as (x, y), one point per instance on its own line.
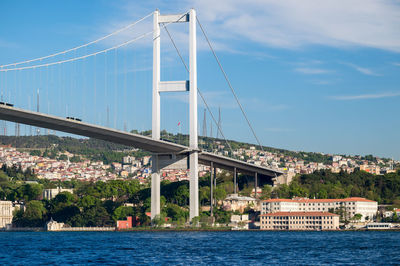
(325, 184)
(97, 216)
(96, 150)
(357, 217)
(222, 216)
(182, 195)
(36, 153)
(176, 213)
(122, 212)
(63, 157)
(220, 193)
(33, 216)
(75, 159)
(266, 192)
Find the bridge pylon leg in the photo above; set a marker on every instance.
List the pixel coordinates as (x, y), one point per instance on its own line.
(194, 185)
(193, 143)
(155, 188)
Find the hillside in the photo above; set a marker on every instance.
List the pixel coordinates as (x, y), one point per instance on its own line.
(108, 152)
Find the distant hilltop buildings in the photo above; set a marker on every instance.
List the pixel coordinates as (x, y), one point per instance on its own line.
(139, 168)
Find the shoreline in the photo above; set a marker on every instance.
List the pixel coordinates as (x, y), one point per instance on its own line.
(193, 230)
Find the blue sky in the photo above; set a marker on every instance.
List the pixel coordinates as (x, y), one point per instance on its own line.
(312, 76)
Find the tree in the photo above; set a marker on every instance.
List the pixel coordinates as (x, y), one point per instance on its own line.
(122, 212)
(75, 159)
(204, 194)
(88, 201)
(176, 212)
(29, 192)
(158, 221)
(266, 192)
(220, 193)
(66, 214)
(63, 157)
(282, 191)
(357, 217)
(36, 153)
(182, 195)
(64, 197)
(33, 216)
(97, 216)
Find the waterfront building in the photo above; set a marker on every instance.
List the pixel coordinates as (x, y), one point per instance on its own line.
(125, 224)
(299, 221)
(379, 226)
(54, 225)
(234, 202)
(6, 213)
(240, 222)
(349, 206)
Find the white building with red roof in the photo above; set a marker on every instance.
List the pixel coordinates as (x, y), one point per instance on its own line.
(299, 221)
(349, 206)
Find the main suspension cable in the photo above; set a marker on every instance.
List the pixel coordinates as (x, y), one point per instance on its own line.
(230, 85)
(88, 55)
(80, 46)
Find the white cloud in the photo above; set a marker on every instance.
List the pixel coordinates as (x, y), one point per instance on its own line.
(289, 24)
(396, 64)
(307, 70)
(292, 23)
(366, 96)
(363, 70)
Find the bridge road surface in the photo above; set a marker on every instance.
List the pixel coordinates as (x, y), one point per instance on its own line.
(37, 119)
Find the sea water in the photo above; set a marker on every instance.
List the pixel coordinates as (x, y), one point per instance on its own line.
(194, 248)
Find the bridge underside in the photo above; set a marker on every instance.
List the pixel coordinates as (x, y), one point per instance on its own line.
(129, 139)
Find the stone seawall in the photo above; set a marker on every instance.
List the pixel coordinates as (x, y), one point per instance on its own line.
(72, 229)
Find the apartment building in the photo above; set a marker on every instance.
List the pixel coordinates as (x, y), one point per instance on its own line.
(299, 221)
(349, 206)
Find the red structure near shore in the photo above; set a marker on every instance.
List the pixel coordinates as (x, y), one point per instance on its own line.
(125, 224)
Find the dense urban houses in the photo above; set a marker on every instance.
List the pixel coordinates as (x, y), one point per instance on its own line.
(140, 169)
(348, 207)
(299, 221)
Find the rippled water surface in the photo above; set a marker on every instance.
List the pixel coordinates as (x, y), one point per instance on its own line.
(230, 248)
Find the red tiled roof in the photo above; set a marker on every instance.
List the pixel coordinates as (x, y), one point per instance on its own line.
(300, 214)
(305, 200)
(279, 200)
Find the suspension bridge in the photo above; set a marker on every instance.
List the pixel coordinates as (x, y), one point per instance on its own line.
(82, 84)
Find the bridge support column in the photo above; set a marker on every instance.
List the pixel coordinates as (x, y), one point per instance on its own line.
(215, 184)
(194, 185)
(255, 184)
(234, 180)
(211, 189)
(155, 188)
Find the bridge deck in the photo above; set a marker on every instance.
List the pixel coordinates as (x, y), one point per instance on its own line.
(129, 139)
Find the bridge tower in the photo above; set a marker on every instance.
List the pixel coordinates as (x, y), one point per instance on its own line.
(175, 86)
